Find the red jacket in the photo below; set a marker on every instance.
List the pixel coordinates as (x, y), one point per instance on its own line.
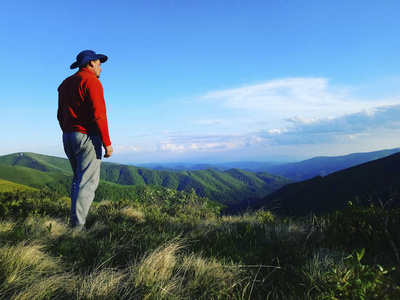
(81, 105)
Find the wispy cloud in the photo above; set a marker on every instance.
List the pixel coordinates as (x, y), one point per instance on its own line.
(288, 97)
(289, 94)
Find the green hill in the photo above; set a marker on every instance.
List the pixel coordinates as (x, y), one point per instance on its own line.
(28, 176)
(38, 162)
(8, 186)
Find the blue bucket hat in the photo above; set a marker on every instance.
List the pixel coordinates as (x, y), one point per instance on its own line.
(87, 55)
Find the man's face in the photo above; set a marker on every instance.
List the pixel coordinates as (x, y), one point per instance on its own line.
(96, 68)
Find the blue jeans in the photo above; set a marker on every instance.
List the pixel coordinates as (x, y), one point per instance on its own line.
(84, 153)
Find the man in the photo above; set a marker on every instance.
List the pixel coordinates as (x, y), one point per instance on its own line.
(83, 120)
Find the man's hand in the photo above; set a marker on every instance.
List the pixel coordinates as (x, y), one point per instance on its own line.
(109, 150)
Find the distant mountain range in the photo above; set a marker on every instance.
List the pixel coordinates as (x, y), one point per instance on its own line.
(295, 171)
(319, 184)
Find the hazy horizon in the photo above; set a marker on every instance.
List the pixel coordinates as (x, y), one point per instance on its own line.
(274, 161)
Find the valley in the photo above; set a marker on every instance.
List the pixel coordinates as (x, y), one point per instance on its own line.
(328, 183)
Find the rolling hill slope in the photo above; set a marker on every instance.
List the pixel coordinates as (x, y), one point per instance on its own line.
(38, 162)
(29, 176)
(8, 186)
(377, 181)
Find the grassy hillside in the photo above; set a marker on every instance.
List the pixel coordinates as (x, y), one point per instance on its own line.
(376, 181)
(39, 162)
(8, 186)
(172, 245)
(28, 176)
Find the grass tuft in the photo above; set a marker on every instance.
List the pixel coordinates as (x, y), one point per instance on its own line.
(102, 283)
(51, 287)
(24, 264)
(133, 214)
(158, 265)
(206, 276)
(6, 226)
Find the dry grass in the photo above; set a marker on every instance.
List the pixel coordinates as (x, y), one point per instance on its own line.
(55, 227)
(50, 287)
(102, 284)
(258, 217)
(6, 226)
(45, 228)
(97, 227)
(290, 231)
(25, 263)
(159, 264)
(133, 214)
(204, 274)
(168, 273)
(154, 274)
(233, 219)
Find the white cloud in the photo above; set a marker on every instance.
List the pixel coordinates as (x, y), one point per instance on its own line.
(127, 149)
(211, 146)
(277, 131)
(204, 143)
(171, 147)
(302, 120)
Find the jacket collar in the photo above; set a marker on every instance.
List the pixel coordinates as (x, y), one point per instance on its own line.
(86, 71)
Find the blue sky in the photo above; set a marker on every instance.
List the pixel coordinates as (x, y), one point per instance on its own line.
(208, 81)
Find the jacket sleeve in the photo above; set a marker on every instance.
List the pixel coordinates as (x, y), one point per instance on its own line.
(98, 111)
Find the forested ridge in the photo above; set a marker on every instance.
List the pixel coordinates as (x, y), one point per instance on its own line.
(228, 187)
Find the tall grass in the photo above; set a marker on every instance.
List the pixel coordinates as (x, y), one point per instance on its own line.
(150, 250)
(102, 283)
(26, 266)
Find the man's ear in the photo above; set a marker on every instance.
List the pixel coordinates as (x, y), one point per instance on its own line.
(91, 63)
